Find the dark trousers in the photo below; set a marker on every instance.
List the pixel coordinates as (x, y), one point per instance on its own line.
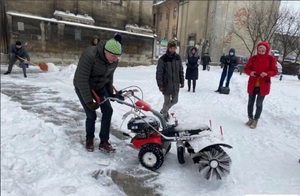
(259, 103)
(189, 85)
(91, 116)
(204, 66)
(12, 61)
(225, 73)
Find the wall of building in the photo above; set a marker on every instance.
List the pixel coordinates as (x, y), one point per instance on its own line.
(165, 23)
(63, 43)
(211, 23)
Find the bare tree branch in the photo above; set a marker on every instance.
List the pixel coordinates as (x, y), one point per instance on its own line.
(258, 19)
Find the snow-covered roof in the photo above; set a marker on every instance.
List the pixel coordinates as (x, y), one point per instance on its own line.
(76, 24)
(74, 18)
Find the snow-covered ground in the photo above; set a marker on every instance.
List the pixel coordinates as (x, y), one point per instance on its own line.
(42, 137)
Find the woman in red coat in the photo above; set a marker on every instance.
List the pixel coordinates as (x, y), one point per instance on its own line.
(260, 68)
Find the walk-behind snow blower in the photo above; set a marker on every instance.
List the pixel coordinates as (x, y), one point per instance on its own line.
(152, 135)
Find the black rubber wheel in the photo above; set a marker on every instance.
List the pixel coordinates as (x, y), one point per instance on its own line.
(180, 154)
(151, 156)
(214, 163)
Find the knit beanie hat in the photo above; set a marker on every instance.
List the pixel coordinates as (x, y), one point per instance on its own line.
(18, 43)
(172, 43)
(113, 46)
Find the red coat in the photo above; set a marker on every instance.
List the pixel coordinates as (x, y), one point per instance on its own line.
(261, 63)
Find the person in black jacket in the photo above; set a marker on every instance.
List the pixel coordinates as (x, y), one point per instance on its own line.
(17, 51)
(95, 73)
(205, 60)
(222, 59)
(191, 73)
(229, 62)
(169, 77)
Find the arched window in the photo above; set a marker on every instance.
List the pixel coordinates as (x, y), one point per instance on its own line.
(175, 12)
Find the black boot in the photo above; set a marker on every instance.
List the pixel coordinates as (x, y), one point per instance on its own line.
(189, 85)
(194, 85)
(6, 73)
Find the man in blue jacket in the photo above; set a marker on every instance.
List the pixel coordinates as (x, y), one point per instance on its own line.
(17, 51)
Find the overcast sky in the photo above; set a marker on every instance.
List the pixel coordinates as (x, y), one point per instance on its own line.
(294, 4)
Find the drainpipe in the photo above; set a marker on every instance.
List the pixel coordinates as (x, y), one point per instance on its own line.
(207, 17)
(168, 28)
(177, 18)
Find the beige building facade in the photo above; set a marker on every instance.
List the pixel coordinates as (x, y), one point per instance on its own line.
(208, 25)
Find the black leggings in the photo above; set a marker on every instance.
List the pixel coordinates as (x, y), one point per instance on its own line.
(259, 103)
(189, 84)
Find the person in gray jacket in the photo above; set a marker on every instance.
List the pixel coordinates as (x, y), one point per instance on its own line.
(169, 77)
(95, 72)
(16, 51)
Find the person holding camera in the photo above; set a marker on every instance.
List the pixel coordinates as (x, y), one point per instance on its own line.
(229, 62)
(260, 68)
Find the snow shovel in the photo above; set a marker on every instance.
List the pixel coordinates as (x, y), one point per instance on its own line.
(43, 66)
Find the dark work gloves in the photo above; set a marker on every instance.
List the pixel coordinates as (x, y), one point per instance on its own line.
(118, 96)
(92, 105)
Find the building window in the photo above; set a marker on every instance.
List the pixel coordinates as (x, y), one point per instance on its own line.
(160, 16)
(167, 15)
(77, 34)
(175, 13)
(154, 20)
(166, 34)
(21, 26)
(174, 31)
(192, 40)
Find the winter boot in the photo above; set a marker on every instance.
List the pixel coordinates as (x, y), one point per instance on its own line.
(253, 124)
(106, 146)
(194, 85)
(89, 145)
(249, 122)
(6, 73)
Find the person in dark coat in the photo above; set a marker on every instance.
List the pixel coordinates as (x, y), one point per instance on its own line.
(229, 62)
(205, 60)
(169, 77)
(191, 73)
(222, 59)
(16, 51)
(95, 72)
(95, 40)
(260, 68)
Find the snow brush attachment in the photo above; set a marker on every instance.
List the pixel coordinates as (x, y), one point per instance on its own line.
(214, 163)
